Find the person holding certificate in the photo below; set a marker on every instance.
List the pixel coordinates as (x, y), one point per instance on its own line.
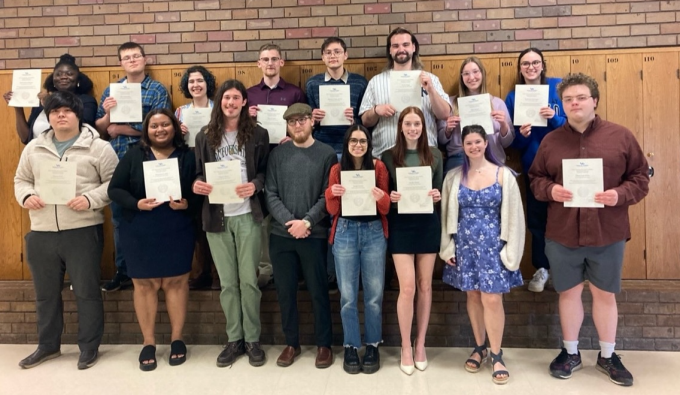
(157, 236)
(471, 82)
(482, 242)
(414, 238)
(233, 227)
(65, 238)
(198, 84)
(359, 243)
(66, 77)
(585, 243)
(531, 70)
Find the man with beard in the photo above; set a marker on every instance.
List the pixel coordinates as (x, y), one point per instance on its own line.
(297, 177)
(376, 110)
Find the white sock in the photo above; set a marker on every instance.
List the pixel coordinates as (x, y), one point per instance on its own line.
(606, 349)
(571, 346)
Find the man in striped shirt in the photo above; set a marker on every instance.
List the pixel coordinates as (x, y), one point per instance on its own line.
(376, 110)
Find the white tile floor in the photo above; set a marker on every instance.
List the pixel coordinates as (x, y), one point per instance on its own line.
(117, 373)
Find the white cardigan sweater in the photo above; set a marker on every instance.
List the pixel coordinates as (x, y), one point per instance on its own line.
(512, 218)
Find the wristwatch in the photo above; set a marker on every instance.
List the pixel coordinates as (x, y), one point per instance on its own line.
(307, 224)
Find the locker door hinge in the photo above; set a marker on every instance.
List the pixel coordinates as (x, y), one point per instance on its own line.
(641, 78)
(21, 256)
(605, 76)
(171, 90)
(677, 73)
(499, 80)
(644, 254)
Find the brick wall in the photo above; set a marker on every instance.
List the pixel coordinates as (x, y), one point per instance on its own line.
(33, 33)
(649, 318)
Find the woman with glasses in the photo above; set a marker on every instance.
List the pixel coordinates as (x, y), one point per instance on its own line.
(472, 81)
(359, 244)
(531, 70)
(414, 238)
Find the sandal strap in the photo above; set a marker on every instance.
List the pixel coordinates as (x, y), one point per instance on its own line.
(497, 373)
(480, 350)
(148, 354)
(497, 357)
(178, 347)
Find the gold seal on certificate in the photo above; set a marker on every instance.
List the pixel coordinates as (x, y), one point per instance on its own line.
(476, 110)
(25, 88)
(128, 108)
(161, 179)
(271, 118)
(224, 176)
(405, 89)
(56, 183)
(358, 198)
(583, 178)
(414, 184)
(529, 99)
(334, 99)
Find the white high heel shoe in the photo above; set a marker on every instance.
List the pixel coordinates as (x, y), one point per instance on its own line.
(419, 365)
(407, 369)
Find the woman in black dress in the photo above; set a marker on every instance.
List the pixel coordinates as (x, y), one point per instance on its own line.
(157, 237)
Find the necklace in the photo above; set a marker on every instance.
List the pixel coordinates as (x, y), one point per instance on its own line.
(231, 146)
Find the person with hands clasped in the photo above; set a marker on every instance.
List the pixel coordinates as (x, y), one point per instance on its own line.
(531, 70)
(359, 244)
(482, 242)
(158, 237)
(66, 238)
(472, 81)
(233, 229)
(414, 238)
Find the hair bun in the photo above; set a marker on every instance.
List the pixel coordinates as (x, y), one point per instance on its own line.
(67, 58)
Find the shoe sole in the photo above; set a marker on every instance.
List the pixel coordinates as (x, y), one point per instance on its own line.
(47, 358)
(257, 363)
(575, 368)
(88, 365)
(370, 369)
(475, 370)
(351, 369)
(535, 288)
(603, 370)
(225, 364)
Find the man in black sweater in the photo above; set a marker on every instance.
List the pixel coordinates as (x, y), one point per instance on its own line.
(297, 177)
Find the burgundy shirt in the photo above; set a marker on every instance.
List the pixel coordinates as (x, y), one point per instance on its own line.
(283, 94)
(625, 170)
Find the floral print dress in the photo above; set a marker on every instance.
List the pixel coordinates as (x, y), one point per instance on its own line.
(478, 244)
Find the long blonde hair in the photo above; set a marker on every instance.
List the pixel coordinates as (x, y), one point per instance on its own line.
(462, 89)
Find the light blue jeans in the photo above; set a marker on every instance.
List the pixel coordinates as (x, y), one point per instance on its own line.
(359, 249)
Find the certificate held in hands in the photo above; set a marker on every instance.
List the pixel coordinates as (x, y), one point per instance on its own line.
(161, 179)
(271, 118)
(405, 89)
(529, 99)
(128, 107)
(414, 184)
(334, 99)
(358, 198)
(583, 178)
(224, 176)
(57, 182)
(195, 119)
(25, 88)
(476, 110)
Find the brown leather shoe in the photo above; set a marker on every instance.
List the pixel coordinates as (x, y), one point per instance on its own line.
(288, 355)
(324, 357)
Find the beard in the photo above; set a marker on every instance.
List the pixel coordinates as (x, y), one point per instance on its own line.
(301, 138)
(402, 58)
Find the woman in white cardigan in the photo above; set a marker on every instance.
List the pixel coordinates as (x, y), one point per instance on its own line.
(482, 243)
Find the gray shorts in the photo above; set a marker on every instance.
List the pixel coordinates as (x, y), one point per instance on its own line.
(600, 265)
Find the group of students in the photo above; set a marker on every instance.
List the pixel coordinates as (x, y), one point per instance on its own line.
(298, 185)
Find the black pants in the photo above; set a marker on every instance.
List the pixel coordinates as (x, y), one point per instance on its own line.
(310, 254)
(537, 217)
(77, 252)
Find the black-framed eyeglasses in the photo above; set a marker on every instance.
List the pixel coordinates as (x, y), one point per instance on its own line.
(298, 121)
(358, 141)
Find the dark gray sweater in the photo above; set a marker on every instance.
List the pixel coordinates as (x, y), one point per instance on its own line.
(294, 188)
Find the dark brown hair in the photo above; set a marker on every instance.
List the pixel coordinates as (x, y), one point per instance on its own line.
(177, 139)
(215, 129)
(399, 150)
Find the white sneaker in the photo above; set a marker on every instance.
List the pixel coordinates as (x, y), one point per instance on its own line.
(537, 283)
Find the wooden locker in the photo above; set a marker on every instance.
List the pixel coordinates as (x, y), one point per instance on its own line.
(493, 72)
(557, 66)
(309, 70)
(371, 69)
(596, 67)
(448, 72)
(508, 73)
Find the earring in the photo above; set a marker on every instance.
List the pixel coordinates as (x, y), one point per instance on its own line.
(78, 85)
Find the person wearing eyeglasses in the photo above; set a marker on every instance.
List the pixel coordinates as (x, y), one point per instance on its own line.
(584, 243)
(531, 70)
(121, 136)
(471, 82)
(297, 177)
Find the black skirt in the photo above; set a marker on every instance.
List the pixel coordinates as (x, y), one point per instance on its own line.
(413, 233)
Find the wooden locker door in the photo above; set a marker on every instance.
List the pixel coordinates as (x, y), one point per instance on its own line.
(596, 67)
(176, 94)
(447, 72)
(100, 81)
(164, 76)
(661, 100)
(508, 73)
(291, 74)
(307, 71)
(623, 87)
(557, 66)
(223, 74)
(249, 75)
(372, 69)
(493, 72)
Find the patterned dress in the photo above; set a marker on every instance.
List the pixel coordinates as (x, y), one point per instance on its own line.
(478, 244)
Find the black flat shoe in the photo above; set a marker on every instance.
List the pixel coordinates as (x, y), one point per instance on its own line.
(38, 357)
(148, 354)
(178, 348)
(87, 359)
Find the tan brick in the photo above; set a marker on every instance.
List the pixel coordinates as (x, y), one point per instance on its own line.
(192, 16)
(105, 51)
(233, 46)
(131, 8)
(630, 19)
(297, 12)
(461, 26)
(641, 30)
(601, 20)
(81, 31)
(182, 27)
(324, 11)
(181, 6)
(105, 30)
(56, 31)
(654, 41)
(157, 28)
(378, 30)
(246, 35)
(351, 9)
(391, 19)
(32, 32)
(234, 25)
(556, 34)
(34, 3)
(80, 10)
(116, 40)
(18, 64)
(41, 22)
(601, 43)
(18, 22)
(268, 3)
(131, 29)
(459, 48)
(647, 6)
(659, 17)
(20, 43)
(444, 38)
(616, 8)
(627, 42)
(95, 42)
(670, 28)
(32, 11)
(570, 21)
(278, 34)
(591, 32)
(245, 14)
(347, 31)
(405, 7)
(271, 13)
(193, 37)
(500, 13)
(168, 38)
(219, 15)
(117, 19)
(417, 17)
(515, 24)
(515, 46)
(94, 62)
(590, 9)
(218, 57)
(445, 16)
(337, 20)
(106, 9)
(542, 23)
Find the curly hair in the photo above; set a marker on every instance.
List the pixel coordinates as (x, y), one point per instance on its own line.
(579, 79)
(207, 76)
(83, 82)
(246, 124)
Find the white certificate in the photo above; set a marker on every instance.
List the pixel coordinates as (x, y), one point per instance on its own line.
(271, 118)
(583, 178)
(414, 184)
(358, 198)
(334, 100)
(25, 88)
(224, 176)
(195, 119)
(57, 182)
(128, 107)
(529, 99)
(405, 89)
(161, 179)
(476, 110)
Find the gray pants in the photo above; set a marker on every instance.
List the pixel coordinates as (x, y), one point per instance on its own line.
(77, 252)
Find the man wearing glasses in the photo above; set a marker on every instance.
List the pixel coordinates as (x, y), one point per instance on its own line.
(154, 95)
(588, 243)
(297, 177)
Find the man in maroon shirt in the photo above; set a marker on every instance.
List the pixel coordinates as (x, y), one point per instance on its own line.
(588, 243)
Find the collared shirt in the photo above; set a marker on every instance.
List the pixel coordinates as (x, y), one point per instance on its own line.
(283, 94)
(385, 131)
(625, 171)
(154, 96)
(334, 135)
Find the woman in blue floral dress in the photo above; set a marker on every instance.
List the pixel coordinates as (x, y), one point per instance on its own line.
(482, 243)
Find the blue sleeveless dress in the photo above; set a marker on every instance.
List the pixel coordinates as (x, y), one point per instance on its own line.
(478, 244)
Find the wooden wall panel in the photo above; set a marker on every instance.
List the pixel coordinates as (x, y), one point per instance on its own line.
(596, 67)
(557, 65)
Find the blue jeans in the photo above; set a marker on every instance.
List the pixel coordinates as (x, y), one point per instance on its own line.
(359, 249)
(116, 217)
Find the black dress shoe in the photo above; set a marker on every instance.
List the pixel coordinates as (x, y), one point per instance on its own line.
(118, 282)
(352, 363)
(38, 357)
(371, 362)
(87, 359)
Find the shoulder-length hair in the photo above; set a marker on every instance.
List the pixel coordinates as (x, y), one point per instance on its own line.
(488, 152)
(520, 77)
(399, 150)
(416, 63)
(462, 89)
(177, 140)
(217, 124)
(347, 161)
(207, 76)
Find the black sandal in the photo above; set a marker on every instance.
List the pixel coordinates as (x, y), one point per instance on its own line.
(481, 350)
(495, 375)
(148, 354)
(177, 348)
